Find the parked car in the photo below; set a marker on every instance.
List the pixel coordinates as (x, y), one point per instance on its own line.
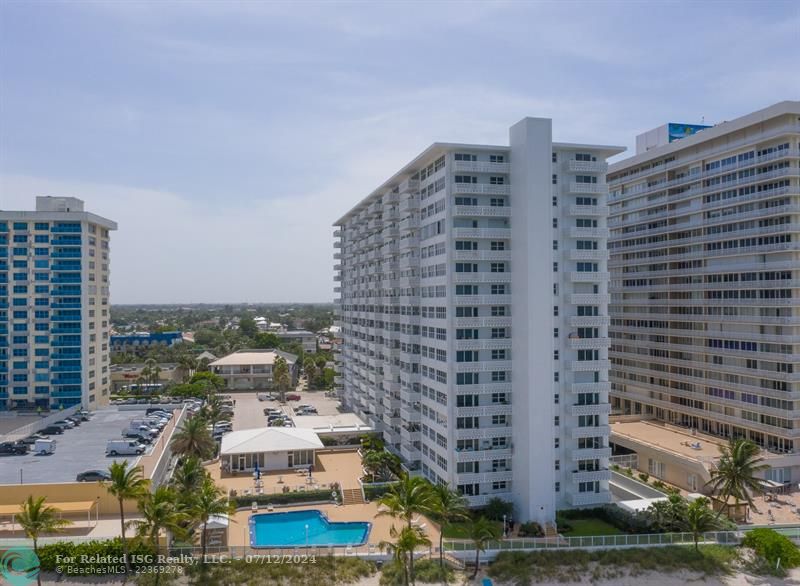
(31, 439)
(76, 420)
(52, 430)
(66, 424)
(13, 449)
(142, 401)
(130, 401)
(158, 410)
(93, 476)
(292, 397)
(138, 435)
(124, 447)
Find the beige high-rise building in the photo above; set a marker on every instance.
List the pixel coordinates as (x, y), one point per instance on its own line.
(705, 280)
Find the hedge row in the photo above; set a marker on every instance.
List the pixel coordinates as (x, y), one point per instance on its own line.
(282, 498)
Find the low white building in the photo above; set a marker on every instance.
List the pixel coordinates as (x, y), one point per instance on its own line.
(271, 448)
(308, 340)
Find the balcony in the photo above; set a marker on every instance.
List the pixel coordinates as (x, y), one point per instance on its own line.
(482, 211)
(482, 277)
(484, 477)
(589, 277)
(485, 410)
(495, 233)
(481, 167)
(496, 255)
(587, 167)
(590, 454)
(591, 475)
(597, 255)
(590, 188)
(409, 453)
(589, 299)
(588, 343)
(597, 409)
(592, 320)
(576, 232)
(597, 431)
(481, 189)
(482, 322)
(592, 211)
(588, 365)
(485, 454)
(487, 344)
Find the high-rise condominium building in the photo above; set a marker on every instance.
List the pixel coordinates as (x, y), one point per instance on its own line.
(54, 308)
(705, 265)
(474, 318)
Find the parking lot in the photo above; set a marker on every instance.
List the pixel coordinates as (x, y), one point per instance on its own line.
(77, 450)
(249, 411)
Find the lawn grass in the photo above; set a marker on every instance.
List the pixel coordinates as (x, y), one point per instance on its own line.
(589, 527)
(459, 530)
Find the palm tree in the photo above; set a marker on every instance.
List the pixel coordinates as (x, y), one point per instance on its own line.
(736, 474)
(208, 500)
(193, 439)
(125, 484)
(188, 364)
(407, 540)
(36, 518)
(699, 519)
(448, 505)
(280, 377)
(482, 532)
(188, 477)
(159, 511)
(212, 409)
(412, 495)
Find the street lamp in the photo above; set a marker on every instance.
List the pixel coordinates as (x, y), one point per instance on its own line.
(306, 534)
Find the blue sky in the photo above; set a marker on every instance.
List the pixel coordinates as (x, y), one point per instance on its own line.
(226, 137)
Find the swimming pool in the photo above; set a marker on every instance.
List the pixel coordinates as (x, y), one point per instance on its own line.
(302, 528)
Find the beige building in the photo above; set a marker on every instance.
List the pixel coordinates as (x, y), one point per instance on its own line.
(252, 369)
(705, 281)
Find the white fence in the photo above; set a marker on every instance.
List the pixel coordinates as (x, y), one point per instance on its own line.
(464, 548)
(41, 423)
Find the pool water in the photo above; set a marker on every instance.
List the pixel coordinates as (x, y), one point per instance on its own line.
(289, 530)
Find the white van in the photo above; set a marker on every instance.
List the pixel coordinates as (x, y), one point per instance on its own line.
(43, 447)
(124, 447)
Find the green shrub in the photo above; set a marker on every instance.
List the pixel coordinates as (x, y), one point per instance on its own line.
(772, 546)
(375, 492)
(532, 529)
(282, 498)
(644, 477)
(425, 572)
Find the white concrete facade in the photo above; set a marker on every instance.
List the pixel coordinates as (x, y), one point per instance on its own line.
(474, 318)
(705, 264)
(54, 306)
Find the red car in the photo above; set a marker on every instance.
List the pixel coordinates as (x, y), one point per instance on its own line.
(292, 397)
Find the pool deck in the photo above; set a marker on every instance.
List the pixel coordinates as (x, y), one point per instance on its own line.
(339, 466)
(239, 532)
